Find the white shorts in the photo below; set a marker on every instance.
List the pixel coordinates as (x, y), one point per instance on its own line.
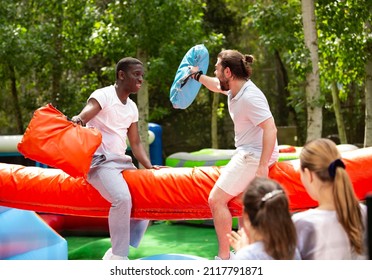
(238, 173)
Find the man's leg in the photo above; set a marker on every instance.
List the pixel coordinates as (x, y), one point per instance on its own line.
(112, 186)
(137, 230)
(234, 179)
(222, 219)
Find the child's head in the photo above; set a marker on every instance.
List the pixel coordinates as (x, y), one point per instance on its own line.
(266, 210)
(322, 168)
(322, 157)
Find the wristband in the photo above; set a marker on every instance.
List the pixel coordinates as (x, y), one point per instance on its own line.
(197, 75)
(78, 120)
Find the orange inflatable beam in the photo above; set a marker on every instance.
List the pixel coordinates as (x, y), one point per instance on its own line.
(175, 193)
(357, 162)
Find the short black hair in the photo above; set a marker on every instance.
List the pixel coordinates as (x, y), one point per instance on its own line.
(124, 64)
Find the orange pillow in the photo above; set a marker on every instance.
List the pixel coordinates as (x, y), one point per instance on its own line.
(52, 139)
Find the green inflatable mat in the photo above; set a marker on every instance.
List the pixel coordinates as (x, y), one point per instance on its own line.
(211, 157)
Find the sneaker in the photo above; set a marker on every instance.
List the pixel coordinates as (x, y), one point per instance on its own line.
(110, 256)
(231, 257)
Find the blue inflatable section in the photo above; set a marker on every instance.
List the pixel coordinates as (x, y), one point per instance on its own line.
(25, 236)
(172, 257)
(184, 89)
(156, 147)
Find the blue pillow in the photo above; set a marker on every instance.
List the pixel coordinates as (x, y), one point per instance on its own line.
(184, 89)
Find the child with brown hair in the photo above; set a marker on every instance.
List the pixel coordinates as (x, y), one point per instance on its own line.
(268, 231)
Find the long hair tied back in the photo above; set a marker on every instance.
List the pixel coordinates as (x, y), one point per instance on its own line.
(239, 64)
(322, 157)
(332, 167)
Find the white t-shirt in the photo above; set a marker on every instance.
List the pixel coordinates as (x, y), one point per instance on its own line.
(248, 109)
(321, 236)
(256, 251)
(113, 120)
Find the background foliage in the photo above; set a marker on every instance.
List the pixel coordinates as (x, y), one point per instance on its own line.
(60, 51)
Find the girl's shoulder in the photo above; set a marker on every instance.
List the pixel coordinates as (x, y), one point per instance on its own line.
(254, 251)
(314, 216)
(304, 214)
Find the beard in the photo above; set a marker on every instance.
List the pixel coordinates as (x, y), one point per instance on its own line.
(224, 84)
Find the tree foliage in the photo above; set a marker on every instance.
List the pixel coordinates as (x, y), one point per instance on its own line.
(60, 51)
(342, 39)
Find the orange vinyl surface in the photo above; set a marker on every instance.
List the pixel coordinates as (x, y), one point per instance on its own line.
(51, 139)
(173, 193)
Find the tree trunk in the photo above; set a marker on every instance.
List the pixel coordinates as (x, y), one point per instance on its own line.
(214, 120)
(368, 91)
(339, 118)
(57, 68)
(283, 93)
(17, 108)
(143, 106)
(314, 108)
(368, 96)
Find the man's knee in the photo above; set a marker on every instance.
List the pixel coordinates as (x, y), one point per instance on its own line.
(215, 201)
(121, 198)
(218, 198)
(211, 201)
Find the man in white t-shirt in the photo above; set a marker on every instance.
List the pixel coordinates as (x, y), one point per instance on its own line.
(115, 115)
(255, 137)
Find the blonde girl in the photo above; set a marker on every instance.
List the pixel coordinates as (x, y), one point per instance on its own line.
(335, 229)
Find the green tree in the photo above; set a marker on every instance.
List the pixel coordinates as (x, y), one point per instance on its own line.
(343, 43)
(223, 23)
(43, 50)
(280, 36)
(343, 50)
(16, 58)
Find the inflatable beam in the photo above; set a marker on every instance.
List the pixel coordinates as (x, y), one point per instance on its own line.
(168, 193)
(179, 193)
